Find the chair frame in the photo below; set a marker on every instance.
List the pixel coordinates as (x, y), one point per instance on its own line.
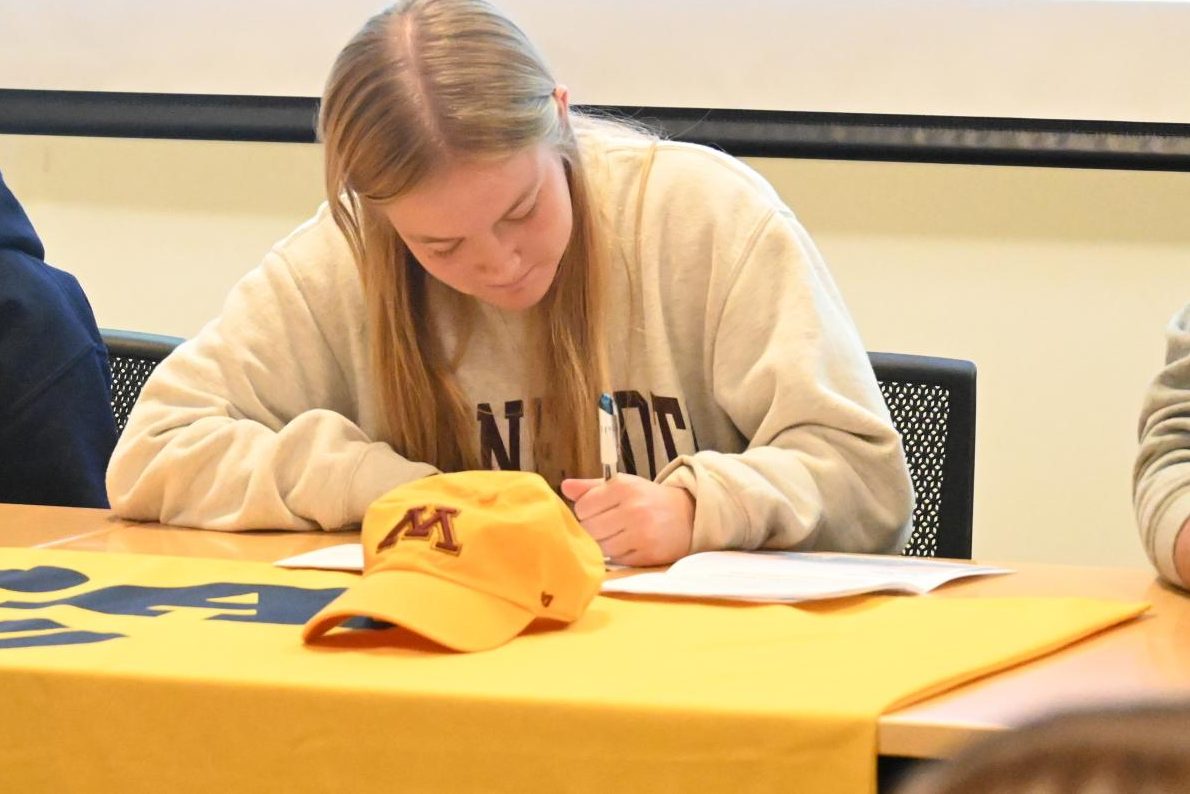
(958, 378)
(136, 344)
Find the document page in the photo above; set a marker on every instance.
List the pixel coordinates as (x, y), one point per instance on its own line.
(344, 557)
(789, 576)
(350, 557)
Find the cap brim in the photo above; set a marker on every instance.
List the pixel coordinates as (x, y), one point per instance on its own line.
(447, 613)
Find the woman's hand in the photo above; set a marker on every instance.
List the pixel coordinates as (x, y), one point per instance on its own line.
(1181, 549)
(634, 520)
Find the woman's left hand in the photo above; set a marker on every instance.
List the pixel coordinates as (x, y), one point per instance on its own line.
(635, 521)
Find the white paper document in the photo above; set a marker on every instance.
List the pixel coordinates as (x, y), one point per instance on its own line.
(344, 557)
(789, 576)
(348, 557)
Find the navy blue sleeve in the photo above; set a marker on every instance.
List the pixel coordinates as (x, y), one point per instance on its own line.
(56, 425)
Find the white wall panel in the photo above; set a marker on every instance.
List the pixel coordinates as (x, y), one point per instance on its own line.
(1122, 60)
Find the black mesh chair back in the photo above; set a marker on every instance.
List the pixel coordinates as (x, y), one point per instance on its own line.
(132, 357)
(932, 402)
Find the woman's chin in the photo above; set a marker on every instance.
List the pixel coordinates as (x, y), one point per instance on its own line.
(518, 301)
(519, 298)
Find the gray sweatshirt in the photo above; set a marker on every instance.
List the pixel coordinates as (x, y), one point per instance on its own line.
(742, 375)
(1161, 478)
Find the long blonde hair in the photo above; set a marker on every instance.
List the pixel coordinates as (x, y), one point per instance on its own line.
(423, 83)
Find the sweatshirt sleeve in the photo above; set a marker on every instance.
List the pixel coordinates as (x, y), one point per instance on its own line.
(254, 423)
(1161, 477)
(823, 468)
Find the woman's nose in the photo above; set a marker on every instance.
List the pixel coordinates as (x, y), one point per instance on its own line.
(503, 257)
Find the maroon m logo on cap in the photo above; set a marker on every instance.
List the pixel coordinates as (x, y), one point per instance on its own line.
(415, 526)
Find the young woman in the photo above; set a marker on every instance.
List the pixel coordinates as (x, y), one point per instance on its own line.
(490, 261)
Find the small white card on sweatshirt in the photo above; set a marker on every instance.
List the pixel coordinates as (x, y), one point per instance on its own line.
(790, 576)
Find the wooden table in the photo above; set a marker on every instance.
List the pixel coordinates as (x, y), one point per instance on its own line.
(1148, 658)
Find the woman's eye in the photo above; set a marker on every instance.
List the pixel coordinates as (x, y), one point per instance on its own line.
(525, 214)
(443, 253)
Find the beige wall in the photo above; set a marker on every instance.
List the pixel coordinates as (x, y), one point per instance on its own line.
(1056, 282)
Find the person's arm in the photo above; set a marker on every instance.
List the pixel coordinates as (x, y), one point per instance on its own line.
(824, 468)
(256, 423)
(58, 437)
(56, 425)
(1161, 477)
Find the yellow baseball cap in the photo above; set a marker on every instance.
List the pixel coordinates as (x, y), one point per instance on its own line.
(469, 560)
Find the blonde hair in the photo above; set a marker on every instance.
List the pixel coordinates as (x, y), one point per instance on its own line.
(1137, 749)
(425, 83)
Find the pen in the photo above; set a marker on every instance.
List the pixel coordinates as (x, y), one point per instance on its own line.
(609, 436)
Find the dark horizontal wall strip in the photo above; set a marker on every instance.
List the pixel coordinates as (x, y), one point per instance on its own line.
(204, 117)
(931, 139)
(762, 133)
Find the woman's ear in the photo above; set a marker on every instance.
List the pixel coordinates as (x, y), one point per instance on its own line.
(562, 98)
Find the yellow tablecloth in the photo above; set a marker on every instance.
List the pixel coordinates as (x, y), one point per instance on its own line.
(137, 673)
